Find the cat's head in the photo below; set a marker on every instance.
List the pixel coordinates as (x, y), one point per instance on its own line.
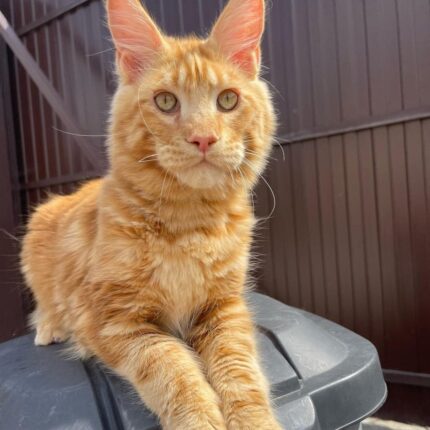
(194, 109)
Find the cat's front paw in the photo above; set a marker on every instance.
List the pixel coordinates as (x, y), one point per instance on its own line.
(46, 334)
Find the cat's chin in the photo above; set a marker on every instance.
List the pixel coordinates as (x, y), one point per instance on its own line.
(202, 176)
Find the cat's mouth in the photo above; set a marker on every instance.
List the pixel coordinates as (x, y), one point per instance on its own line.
(202, 174)
(205, 162)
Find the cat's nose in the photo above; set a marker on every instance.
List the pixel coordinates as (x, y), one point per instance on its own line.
(203, 142)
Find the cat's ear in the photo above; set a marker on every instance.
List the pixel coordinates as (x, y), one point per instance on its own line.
(238, 32)
(136, 37)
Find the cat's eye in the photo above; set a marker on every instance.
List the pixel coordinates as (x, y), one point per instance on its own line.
(228, 100)
(166, 102)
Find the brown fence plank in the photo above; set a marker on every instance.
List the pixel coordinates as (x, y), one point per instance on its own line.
(356, 234)
(404, 288)
(12, 320)
(347, 316)
(383, 56)
(423, 290)
(414, 300)
(328, 226)
(313, 210)
(371, 239)
(298, 166)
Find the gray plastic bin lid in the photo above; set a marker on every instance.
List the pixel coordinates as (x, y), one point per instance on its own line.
(323, 377)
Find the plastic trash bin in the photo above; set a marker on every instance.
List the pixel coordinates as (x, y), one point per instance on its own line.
(323, 377)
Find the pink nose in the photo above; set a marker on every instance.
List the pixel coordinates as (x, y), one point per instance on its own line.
(202, 142)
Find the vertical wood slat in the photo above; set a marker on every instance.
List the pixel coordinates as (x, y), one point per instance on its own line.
(64, 141)
(342, 238)
(383, 56)
(423, 291)
(408, 54)
(302, 64)
(323, 54)
(357, 245)
(353, 59)
(404, 288)
(329, 246)
(313, 209)
(371, 238)
(422, 43)
(413, 299)
(301, 229)
(57, 148)
(12, 319)
(32, 165)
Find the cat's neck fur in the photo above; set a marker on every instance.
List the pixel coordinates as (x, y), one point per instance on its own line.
(176, 212)
(162, 202)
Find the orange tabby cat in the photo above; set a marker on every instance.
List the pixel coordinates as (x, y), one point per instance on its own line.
(146, 268)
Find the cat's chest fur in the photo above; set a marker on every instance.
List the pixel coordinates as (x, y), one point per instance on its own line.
(178, 274)
(188, 270)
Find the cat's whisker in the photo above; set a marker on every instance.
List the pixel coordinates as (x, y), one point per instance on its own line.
(69, 133)
(241, 174)
(161, 193)
(9, 235)
(93, 54)
(277, 142)
(251, 152)
(147, 161)
(231, 176)
(244, 181)
(282, 150)
(268, 186)
(271, 85)
(151, 157)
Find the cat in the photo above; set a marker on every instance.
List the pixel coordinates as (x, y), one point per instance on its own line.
(146, 269)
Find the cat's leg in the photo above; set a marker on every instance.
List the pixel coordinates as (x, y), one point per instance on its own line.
(48, 327)
(223, 336)
(166, 375)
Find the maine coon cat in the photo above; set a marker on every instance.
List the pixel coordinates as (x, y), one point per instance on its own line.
(146, 268)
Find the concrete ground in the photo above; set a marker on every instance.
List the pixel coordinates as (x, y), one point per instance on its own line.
(377, 424)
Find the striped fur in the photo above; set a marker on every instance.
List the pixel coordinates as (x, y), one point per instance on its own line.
(146, 268)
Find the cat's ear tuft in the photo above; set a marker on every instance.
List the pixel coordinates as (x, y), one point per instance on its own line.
(238, 33)
(136, 37)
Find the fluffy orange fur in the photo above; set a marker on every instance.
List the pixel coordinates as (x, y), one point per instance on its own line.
(146, 268)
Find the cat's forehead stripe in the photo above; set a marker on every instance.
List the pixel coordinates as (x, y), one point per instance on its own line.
(211, 76)
(192, 69)
(199, 68)
(168, 78)
(182, 75)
